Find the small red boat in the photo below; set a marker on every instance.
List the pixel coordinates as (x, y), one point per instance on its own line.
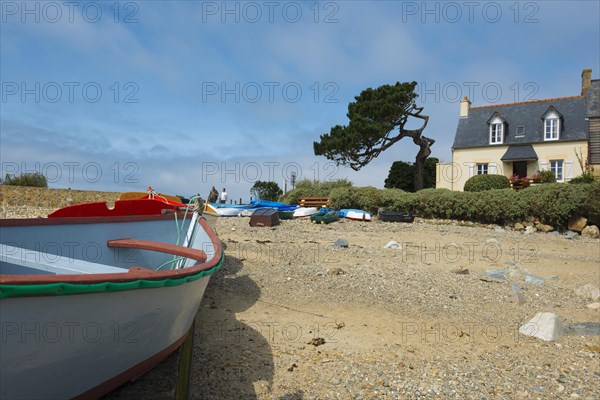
(150, 203)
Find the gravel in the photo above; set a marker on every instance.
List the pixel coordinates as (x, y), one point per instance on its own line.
(390, 323)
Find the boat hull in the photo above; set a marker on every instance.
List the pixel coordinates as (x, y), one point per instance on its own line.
(87, 345)
(81, 323)
(394, 216)
(305, 211)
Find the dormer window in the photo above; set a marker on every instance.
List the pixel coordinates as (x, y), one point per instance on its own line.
(552, 124)
(551, 128)
(496, 129)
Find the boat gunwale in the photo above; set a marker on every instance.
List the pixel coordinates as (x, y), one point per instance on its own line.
(132, 275)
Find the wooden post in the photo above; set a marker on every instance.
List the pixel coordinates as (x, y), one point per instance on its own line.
(182, 389)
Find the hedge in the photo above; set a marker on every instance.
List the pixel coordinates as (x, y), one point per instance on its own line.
(552, 204)
(479, 183)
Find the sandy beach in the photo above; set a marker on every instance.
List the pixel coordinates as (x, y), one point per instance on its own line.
(292, 316)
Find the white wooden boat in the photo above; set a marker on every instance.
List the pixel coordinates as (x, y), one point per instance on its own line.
(87, 304)
(358, 215)
(305, 211)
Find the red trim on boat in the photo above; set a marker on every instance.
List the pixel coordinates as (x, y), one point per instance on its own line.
(145, 206)
(132, 373)
(135, 273)
(86, 220)
(150, 245)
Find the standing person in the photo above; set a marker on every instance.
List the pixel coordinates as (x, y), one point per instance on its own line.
(224, 196)
(214, 195)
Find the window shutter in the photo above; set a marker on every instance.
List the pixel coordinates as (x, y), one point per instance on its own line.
(471, 170)
(568, 172)
(492, 168)
(544, 166)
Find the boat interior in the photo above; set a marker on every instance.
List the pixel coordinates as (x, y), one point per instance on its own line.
(97, 248)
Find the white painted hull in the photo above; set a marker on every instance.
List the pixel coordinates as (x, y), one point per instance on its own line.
(229, 212)
(62, 346)
(74, 326)
(305, 211)
(358, 216)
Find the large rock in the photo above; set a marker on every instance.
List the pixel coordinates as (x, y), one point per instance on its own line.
(519, 226)
(588, 291)
(546, 326)
(571, 235)
(341, 243)
(544, 228)
(529, 230)
(577, 224)
(591, 231)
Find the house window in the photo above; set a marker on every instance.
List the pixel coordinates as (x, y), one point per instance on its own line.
(482, 169)
(551, 128)
(496, 131)
(520, 131)
(556, 166)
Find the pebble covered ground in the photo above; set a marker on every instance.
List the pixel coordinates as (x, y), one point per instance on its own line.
(292, 316)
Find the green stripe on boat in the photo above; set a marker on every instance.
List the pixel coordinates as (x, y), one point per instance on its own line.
(57, 289)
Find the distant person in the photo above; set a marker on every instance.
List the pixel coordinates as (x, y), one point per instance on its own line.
(214, 195)
(224, 196)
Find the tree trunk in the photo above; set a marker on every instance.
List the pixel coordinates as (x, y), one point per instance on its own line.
(424, 144)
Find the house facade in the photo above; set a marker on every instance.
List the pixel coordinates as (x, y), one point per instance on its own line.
(525, 137)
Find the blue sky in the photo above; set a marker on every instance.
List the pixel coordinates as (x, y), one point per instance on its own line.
(183, 95)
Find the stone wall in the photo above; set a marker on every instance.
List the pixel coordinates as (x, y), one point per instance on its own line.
(31, 202)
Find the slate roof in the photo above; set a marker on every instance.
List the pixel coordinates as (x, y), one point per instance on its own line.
(520, 152)
(473, 131)
(592, 99)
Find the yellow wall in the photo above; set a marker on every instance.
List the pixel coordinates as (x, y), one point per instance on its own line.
(454, 175)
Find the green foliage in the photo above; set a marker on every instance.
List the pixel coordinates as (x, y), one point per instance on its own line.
(586, 177)
(555, 203)
(266, 190)
(479, 183)
(401, 175)
(373, 116)
(547, 176)
(35, 179)
(305, 188)
(363, 198)
(591, 207)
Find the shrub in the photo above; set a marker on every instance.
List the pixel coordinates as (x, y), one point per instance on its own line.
(591, 207)
(35, 179)
(307, 187)
(364, 198)
(586, 177)
(555, 203)
(547, 176)
(479, 183)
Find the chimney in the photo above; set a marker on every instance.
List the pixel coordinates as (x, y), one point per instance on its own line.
(586, 80)
(465, 104)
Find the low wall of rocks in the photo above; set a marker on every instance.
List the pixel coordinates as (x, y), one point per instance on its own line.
(32, 202)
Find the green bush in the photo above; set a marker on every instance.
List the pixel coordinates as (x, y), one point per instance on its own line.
(547, 176)
(308, 188)
(555, 203)
(35, 179)
(591, 207)
(363, 198)
(586, 177)
(479, 183)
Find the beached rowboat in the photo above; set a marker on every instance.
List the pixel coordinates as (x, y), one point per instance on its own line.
(87, 304)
